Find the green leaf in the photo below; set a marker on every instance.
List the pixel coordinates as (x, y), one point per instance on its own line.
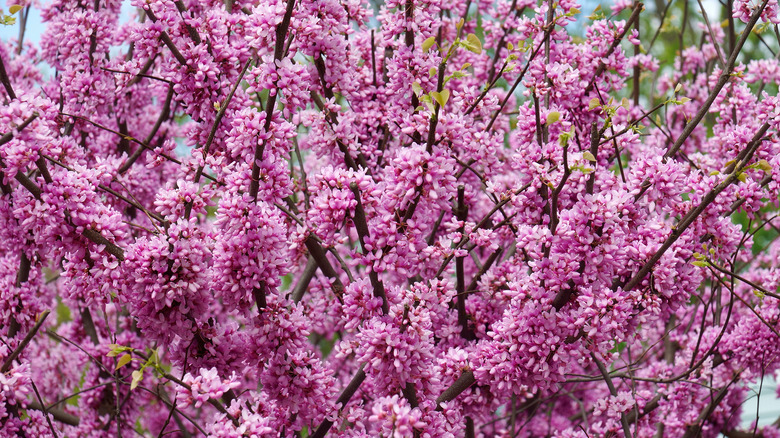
(138, 375)
(594, 103)
(553, 117)
(589, 156)
(764, 165)
(426, 100)
(428, 43)
(465, 66)
(154, 358)
(564, 137)
(473, 44)
(618, 348)
(701, 263)
(597, 13)
(441, 97)
(456, 75)
(14, 9)
(742, 177)
(124, 360)
(760, 28)
(432, 71)
(583, 169)
(510, 46)
(116, 350)
(416, 88)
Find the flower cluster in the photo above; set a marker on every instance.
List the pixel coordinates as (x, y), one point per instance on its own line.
(207, 385)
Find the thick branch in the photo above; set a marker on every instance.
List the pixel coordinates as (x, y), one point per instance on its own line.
(600, 69)
(461, 213)
(164, 114)
(58, 414)
(613, 391)
(343, 399)
(27, 338)
(695, 429)
(111, 248)
(362, 228)
(318, 253)
(303, 282)
(463, 383)
(724, 77)
(6, 82)
(8, 136)
(281, 32)
(220, 114)
(693, 214)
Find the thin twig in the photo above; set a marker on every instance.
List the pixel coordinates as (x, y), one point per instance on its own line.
(22, 345)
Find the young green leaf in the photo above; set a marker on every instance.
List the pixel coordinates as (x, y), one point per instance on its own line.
(428, 43)
(138, 375)
(14, 9)
(124, 360)
(473, 44)
(426, 100)
(116, 350)
(416, 88)
(553, 117)
(441, 97)
(589, 156)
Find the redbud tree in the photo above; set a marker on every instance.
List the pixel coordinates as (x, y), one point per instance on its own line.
(420, 218)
